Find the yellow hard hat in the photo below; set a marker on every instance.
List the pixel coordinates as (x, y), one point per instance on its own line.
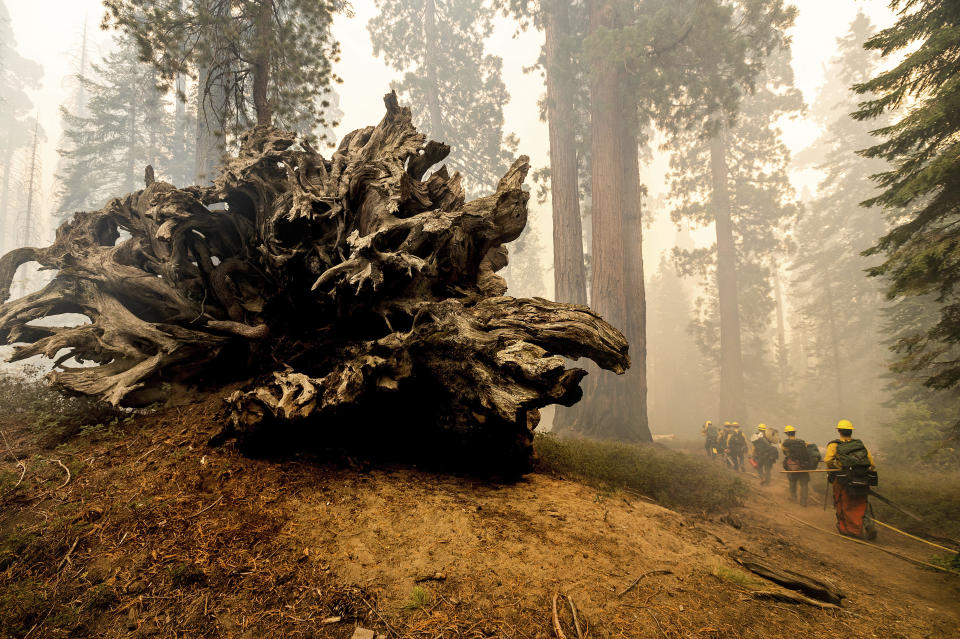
(736, 424)
(762, 427)
(844, 424)
(709, 423)
(789, 429)
(726, 423)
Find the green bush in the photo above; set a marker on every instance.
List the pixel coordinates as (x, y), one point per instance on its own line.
(917, 439)
(933, 496)
(671, 478)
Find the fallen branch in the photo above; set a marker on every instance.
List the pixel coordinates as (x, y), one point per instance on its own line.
(23, 467)
(790, 597)
(640, 578)
(67, 470)
(792, 580)
(576, 623)
(200, 512)
(66, 558)
(556, 618)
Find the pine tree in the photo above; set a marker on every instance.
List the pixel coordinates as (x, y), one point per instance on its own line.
(921, 190)
(840, 306)
(255, 61)
(16, 75)
(127, 127)
(458, 90)
(734, 175)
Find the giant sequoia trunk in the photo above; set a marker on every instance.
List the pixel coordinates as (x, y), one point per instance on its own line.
(341, 296)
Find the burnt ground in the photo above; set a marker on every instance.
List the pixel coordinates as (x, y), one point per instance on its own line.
(158, 535)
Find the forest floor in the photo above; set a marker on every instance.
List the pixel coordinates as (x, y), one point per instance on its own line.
(142, 530)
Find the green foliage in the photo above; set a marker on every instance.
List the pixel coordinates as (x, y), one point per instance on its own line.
(458, 90)
(921, 190)
(17, 76)
(186, 575)
(839, 307)
(673, 479)
(125, 126)
(225, 39)
(735, 576)
(21, 606)
(100, 597)
(933, 496)
(55, 417)
(914, 439)
(418, 599)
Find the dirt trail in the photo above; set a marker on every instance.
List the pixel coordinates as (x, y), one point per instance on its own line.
(159, 535)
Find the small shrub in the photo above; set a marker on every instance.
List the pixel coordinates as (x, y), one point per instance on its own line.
(100, 597)
(21, 604)
(735, 576)
(418, 599)
(672, 478)
(932, 496)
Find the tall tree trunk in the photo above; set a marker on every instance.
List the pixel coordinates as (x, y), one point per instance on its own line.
(132, 145)
(430, 69)
(211, 116)
(606, 412)
(783, 363)
(569, 274)
(261, 63)
(5, 221)
(835, 347)
(569, 277)
(732, 402)
(633, 284)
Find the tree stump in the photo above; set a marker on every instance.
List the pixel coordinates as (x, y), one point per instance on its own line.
(342, 296)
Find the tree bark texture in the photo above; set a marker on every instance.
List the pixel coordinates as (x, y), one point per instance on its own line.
(732, 402)
(261, 63)
(569, 275)
(341, 295)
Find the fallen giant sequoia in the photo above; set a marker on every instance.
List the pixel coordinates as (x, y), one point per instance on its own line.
(347, 295)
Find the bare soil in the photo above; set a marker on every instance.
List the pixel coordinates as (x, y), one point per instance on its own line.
(158, 535)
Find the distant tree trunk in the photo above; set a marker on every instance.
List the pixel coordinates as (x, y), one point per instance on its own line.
(783, 363)
(569, 276)
(129, 183)
(732, 403)
(835, 346)
(211, 126)
(261, 63)
(5, 200)
(430, 69)
(633, 284)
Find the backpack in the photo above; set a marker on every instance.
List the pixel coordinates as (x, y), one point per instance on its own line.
(712, 434)
(764, 450)
(795, 450)
(737, 442)
(852, 454)
(813, 456)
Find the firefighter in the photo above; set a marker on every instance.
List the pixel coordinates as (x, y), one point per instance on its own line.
(736, 446)
(796, 458)
(711, 436)
(763, 453)
(855, 473)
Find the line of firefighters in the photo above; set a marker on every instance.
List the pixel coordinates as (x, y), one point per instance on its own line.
(852, 468)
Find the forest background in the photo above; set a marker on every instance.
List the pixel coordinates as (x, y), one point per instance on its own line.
(807, 360)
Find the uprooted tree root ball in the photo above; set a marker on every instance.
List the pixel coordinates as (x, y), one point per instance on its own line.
(334, 299)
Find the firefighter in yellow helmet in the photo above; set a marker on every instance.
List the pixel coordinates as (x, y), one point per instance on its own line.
(763, 454)
(711, 435)
(735, 446)
(856, 472)
(796, 458)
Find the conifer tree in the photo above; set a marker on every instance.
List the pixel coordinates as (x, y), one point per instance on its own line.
(17, 74)
(733, 175)
(438, 45)
(255, 61)
(126, 127)
(921, 188)
(840, 306)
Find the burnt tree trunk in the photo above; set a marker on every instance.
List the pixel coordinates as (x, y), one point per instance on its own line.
(732, 402)
(342, 298)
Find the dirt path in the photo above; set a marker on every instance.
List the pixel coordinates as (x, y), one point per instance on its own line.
(874, 581)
